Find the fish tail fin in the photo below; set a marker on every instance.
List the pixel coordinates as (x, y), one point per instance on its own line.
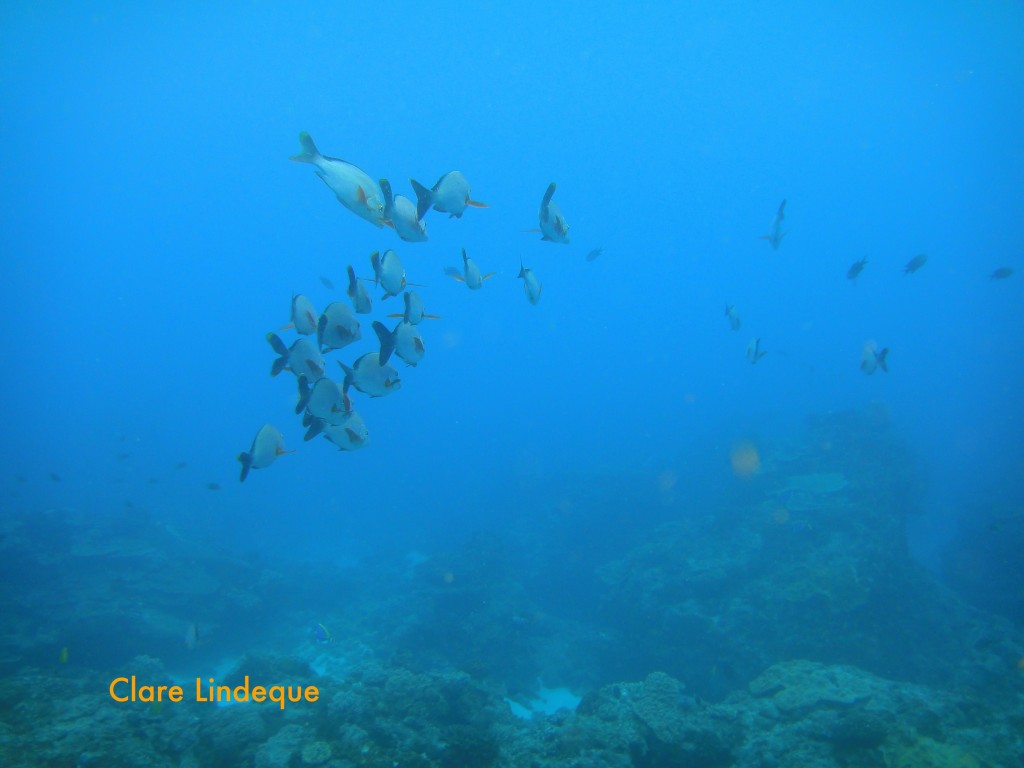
(275, 342)
(309, 153)
(477, 204)
(246, 461)
(348, 377)
(881, 357)
(316, 426)
(548, 195)
(389, 198)
(424, 198)
(304, 392)
(387, 341)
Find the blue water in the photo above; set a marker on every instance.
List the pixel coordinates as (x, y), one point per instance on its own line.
(153, 231)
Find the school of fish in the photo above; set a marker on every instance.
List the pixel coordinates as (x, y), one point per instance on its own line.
(324, 403)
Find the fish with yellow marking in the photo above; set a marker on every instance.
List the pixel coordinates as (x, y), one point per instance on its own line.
(303, 316)
(451, 194)
(266, 447)
(302, 358)
(354, 188)
(470, 274)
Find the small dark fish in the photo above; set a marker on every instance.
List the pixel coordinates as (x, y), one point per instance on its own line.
(734, 318)
(1001, 274)
(327, 283)
(915, 263)
(871, 359)
(855, 269)
(55, 477)
(774, 237)
(595, 253)
(213, 486)
(192, 636)
(754, 351)
(123, 456)
(181, 465)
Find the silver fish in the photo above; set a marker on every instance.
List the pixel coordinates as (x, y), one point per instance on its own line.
(734, 318)
(404, 341)
(357, 293)
(303, 317)
(349, 436)
(871, 359)
(414, 309)
(531, 285)
(370, 377)
(553, 225)
(402, 214)
(302, 358)
(266, 446)
(353, 187)
(388, 271)
(451, 195)
(470, 274)
(754, 351)
(774, 237)
(323, 401)
(337, 327)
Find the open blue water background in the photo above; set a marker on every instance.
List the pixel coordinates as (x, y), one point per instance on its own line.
(152, 232)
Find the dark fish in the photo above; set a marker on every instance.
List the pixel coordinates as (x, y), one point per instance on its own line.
(776, 234)
(734, 318)
(1001, 274)
(414, 308)
(337, 328)
(754, 351)
(595, 253)
(327, 283)
(871, 359)
(213, 486)
(915, 263)
(181, 465)
(855, 269)
(55, 477)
